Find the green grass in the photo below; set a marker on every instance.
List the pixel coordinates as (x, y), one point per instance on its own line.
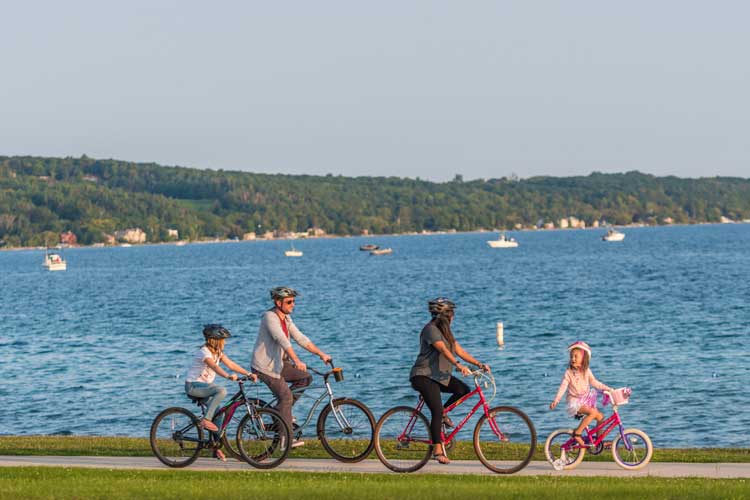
(59, 482)
(139, 447)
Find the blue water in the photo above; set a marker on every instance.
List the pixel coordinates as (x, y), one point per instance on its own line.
(101, 348)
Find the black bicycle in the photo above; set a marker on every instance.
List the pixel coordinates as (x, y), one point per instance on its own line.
(261, 437)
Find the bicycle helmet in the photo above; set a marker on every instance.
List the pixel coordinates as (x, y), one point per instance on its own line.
(282, 292)
(580, 344)
(215, 331)
(440, 305)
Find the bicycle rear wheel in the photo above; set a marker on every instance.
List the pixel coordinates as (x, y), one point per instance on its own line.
(563, 458)
(350, 439)
(263, 438)
(176, 438)
(640, 453)
(402, 439)
(505, 442)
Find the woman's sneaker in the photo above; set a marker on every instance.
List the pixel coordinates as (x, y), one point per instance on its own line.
(297, 443)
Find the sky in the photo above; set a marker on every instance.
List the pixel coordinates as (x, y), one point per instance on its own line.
(387, 88)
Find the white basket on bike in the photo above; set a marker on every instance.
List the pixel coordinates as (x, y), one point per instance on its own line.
(620, 396)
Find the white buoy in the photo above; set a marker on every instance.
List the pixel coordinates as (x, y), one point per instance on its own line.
(499, 334)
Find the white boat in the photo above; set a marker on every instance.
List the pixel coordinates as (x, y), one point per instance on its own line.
(54, 262)
(293, 252)
(613, 235)
(381, 251)
(503, 241)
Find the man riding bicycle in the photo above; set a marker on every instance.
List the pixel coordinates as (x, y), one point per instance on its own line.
(274, 359)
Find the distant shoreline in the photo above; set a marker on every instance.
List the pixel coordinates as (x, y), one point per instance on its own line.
(410, 233)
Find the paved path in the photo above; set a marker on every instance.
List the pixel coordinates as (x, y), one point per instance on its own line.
(658, 469)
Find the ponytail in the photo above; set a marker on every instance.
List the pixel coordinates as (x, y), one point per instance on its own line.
(443, 323)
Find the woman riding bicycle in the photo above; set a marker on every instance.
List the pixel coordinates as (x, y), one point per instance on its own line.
(431, 373)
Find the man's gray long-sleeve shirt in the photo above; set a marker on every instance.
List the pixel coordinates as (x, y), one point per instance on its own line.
(268, 353)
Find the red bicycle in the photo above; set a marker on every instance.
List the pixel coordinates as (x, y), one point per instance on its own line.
(504, 437)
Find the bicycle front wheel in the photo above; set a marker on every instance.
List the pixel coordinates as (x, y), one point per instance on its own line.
(228, 439)
(402, 439)
(176, 438)
(505, 441)
(562, 451)
(639, 454)
(263, 438)
(347, 431)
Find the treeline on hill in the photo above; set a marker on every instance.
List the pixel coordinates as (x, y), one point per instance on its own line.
(42, 197)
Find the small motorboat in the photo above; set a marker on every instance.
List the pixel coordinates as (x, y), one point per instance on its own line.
(369, 247)
(293, 252)
(54, 262)
(381, 251)
(613, 235)
(503, 242)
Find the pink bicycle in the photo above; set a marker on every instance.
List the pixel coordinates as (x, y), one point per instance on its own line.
(631, 448)
(504, 437)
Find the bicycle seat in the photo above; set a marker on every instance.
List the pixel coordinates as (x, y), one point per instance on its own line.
(196, 399)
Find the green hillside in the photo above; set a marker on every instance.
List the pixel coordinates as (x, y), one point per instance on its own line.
(42, 197)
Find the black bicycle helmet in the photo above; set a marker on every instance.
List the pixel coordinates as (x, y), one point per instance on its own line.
(215, 331)
(282, 292)
(440, 306)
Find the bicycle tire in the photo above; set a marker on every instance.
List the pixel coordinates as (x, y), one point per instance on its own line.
(264, 439)
(228, 440)
(354, 443)
(552, 450)
(509, 455)
(394, 453)
(167, 443)
(635, 461)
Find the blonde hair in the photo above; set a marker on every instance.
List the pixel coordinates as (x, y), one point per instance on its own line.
(216, 346)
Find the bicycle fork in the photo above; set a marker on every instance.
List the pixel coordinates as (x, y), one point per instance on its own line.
(341, 420)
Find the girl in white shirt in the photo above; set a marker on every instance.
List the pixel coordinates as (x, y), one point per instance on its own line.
(203, 370)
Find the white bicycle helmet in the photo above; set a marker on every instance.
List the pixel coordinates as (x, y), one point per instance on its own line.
(580, 344)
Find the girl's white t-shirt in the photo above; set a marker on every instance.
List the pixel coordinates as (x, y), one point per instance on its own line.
(199, 371)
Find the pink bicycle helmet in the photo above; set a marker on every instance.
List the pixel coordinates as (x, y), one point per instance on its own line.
(580, 344)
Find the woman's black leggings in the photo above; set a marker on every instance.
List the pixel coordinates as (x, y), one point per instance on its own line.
(430, 391)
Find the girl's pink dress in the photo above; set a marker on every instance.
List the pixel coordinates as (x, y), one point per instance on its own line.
(579, 390)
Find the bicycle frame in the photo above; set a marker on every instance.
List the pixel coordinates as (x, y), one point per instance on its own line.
(481, 403)
(239, 399)
(340, 419)
(610, 423)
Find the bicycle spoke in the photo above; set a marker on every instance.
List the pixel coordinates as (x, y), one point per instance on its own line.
(402, 439)
(505, 442)
(263, 439)
(639, 453)
(562, 451)
(175, 437)
(347, 433)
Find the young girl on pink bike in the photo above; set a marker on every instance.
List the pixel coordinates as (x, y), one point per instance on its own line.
(578, 380)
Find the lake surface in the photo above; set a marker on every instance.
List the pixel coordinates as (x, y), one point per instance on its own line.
(101, 348)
